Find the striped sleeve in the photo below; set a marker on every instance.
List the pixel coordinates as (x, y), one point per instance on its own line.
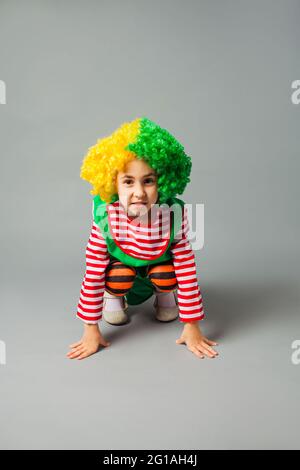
(90, 303)
(188, 292)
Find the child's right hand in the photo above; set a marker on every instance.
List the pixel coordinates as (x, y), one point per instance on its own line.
(89, 343)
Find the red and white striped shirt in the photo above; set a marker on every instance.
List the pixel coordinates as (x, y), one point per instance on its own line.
(143, 242)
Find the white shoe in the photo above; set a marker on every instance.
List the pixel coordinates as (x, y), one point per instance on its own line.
(115, 317)
(166, 314)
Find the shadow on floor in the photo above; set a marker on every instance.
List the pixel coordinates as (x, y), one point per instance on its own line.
(230, 310)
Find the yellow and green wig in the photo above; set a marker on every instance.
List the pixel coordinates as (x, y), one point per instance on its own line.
(144, 140)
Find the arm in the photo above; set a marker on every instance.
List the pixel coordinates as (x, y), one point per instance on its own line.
(90, 303)
(89, 308)
(189, 295)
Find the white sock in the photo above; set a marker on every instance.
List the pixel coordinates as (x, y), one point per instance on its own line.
(117, 303)
(165, 299)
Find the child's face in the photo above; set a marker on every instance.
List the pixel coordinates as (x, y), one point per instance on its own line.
(138, 184)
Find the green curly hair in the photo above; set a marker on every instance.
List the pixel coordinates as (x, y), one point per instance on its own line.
(144, 140)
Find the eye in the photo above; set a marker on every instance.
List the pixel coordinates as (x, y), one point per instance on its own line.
(127, 182)
(149, 180)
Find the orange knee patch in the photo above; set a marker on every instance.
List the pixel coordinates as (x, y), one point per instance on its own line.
(163, 277)
(119, 278)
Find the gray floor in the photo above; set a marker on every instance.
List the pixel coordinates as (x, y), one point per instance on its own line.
(145, 391)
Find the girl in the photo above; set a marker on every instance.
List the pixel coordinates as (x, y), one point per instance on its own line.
(138, 244)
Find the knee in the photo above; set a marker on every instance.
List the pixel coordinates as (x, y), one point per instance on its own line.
(163, 277)
(119, 278)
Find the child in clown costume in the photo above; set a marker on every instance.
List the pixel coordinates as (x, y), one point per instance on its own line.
(138, 244)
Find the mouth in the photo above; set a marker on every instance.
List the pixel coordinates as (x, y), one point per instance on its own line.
(138, 204)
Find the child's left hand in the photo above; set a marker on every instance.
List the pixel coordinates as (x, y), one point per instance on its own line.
(196, 342)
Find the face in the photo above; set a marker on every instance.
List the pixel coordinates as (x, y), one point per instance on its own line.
(137, 188)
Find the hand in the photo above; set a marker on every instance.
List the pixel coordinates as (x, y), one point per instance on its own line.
(89, 343)
(196, 342)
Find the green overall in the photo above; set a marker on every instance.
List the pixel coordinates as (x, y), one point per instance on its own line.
(142, 287)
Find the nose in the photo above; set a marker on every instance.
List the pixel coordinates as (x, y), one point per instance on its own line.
(139, 191)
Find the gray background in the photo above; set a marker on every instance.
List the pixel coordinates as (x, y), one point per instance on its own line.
(218, 75)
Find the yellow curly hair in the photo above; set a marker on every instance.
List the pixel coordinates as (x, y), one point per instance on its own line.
(107, 157)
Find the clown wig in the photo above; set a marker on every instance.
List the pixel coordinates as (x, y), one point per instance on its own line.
(139, 139)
